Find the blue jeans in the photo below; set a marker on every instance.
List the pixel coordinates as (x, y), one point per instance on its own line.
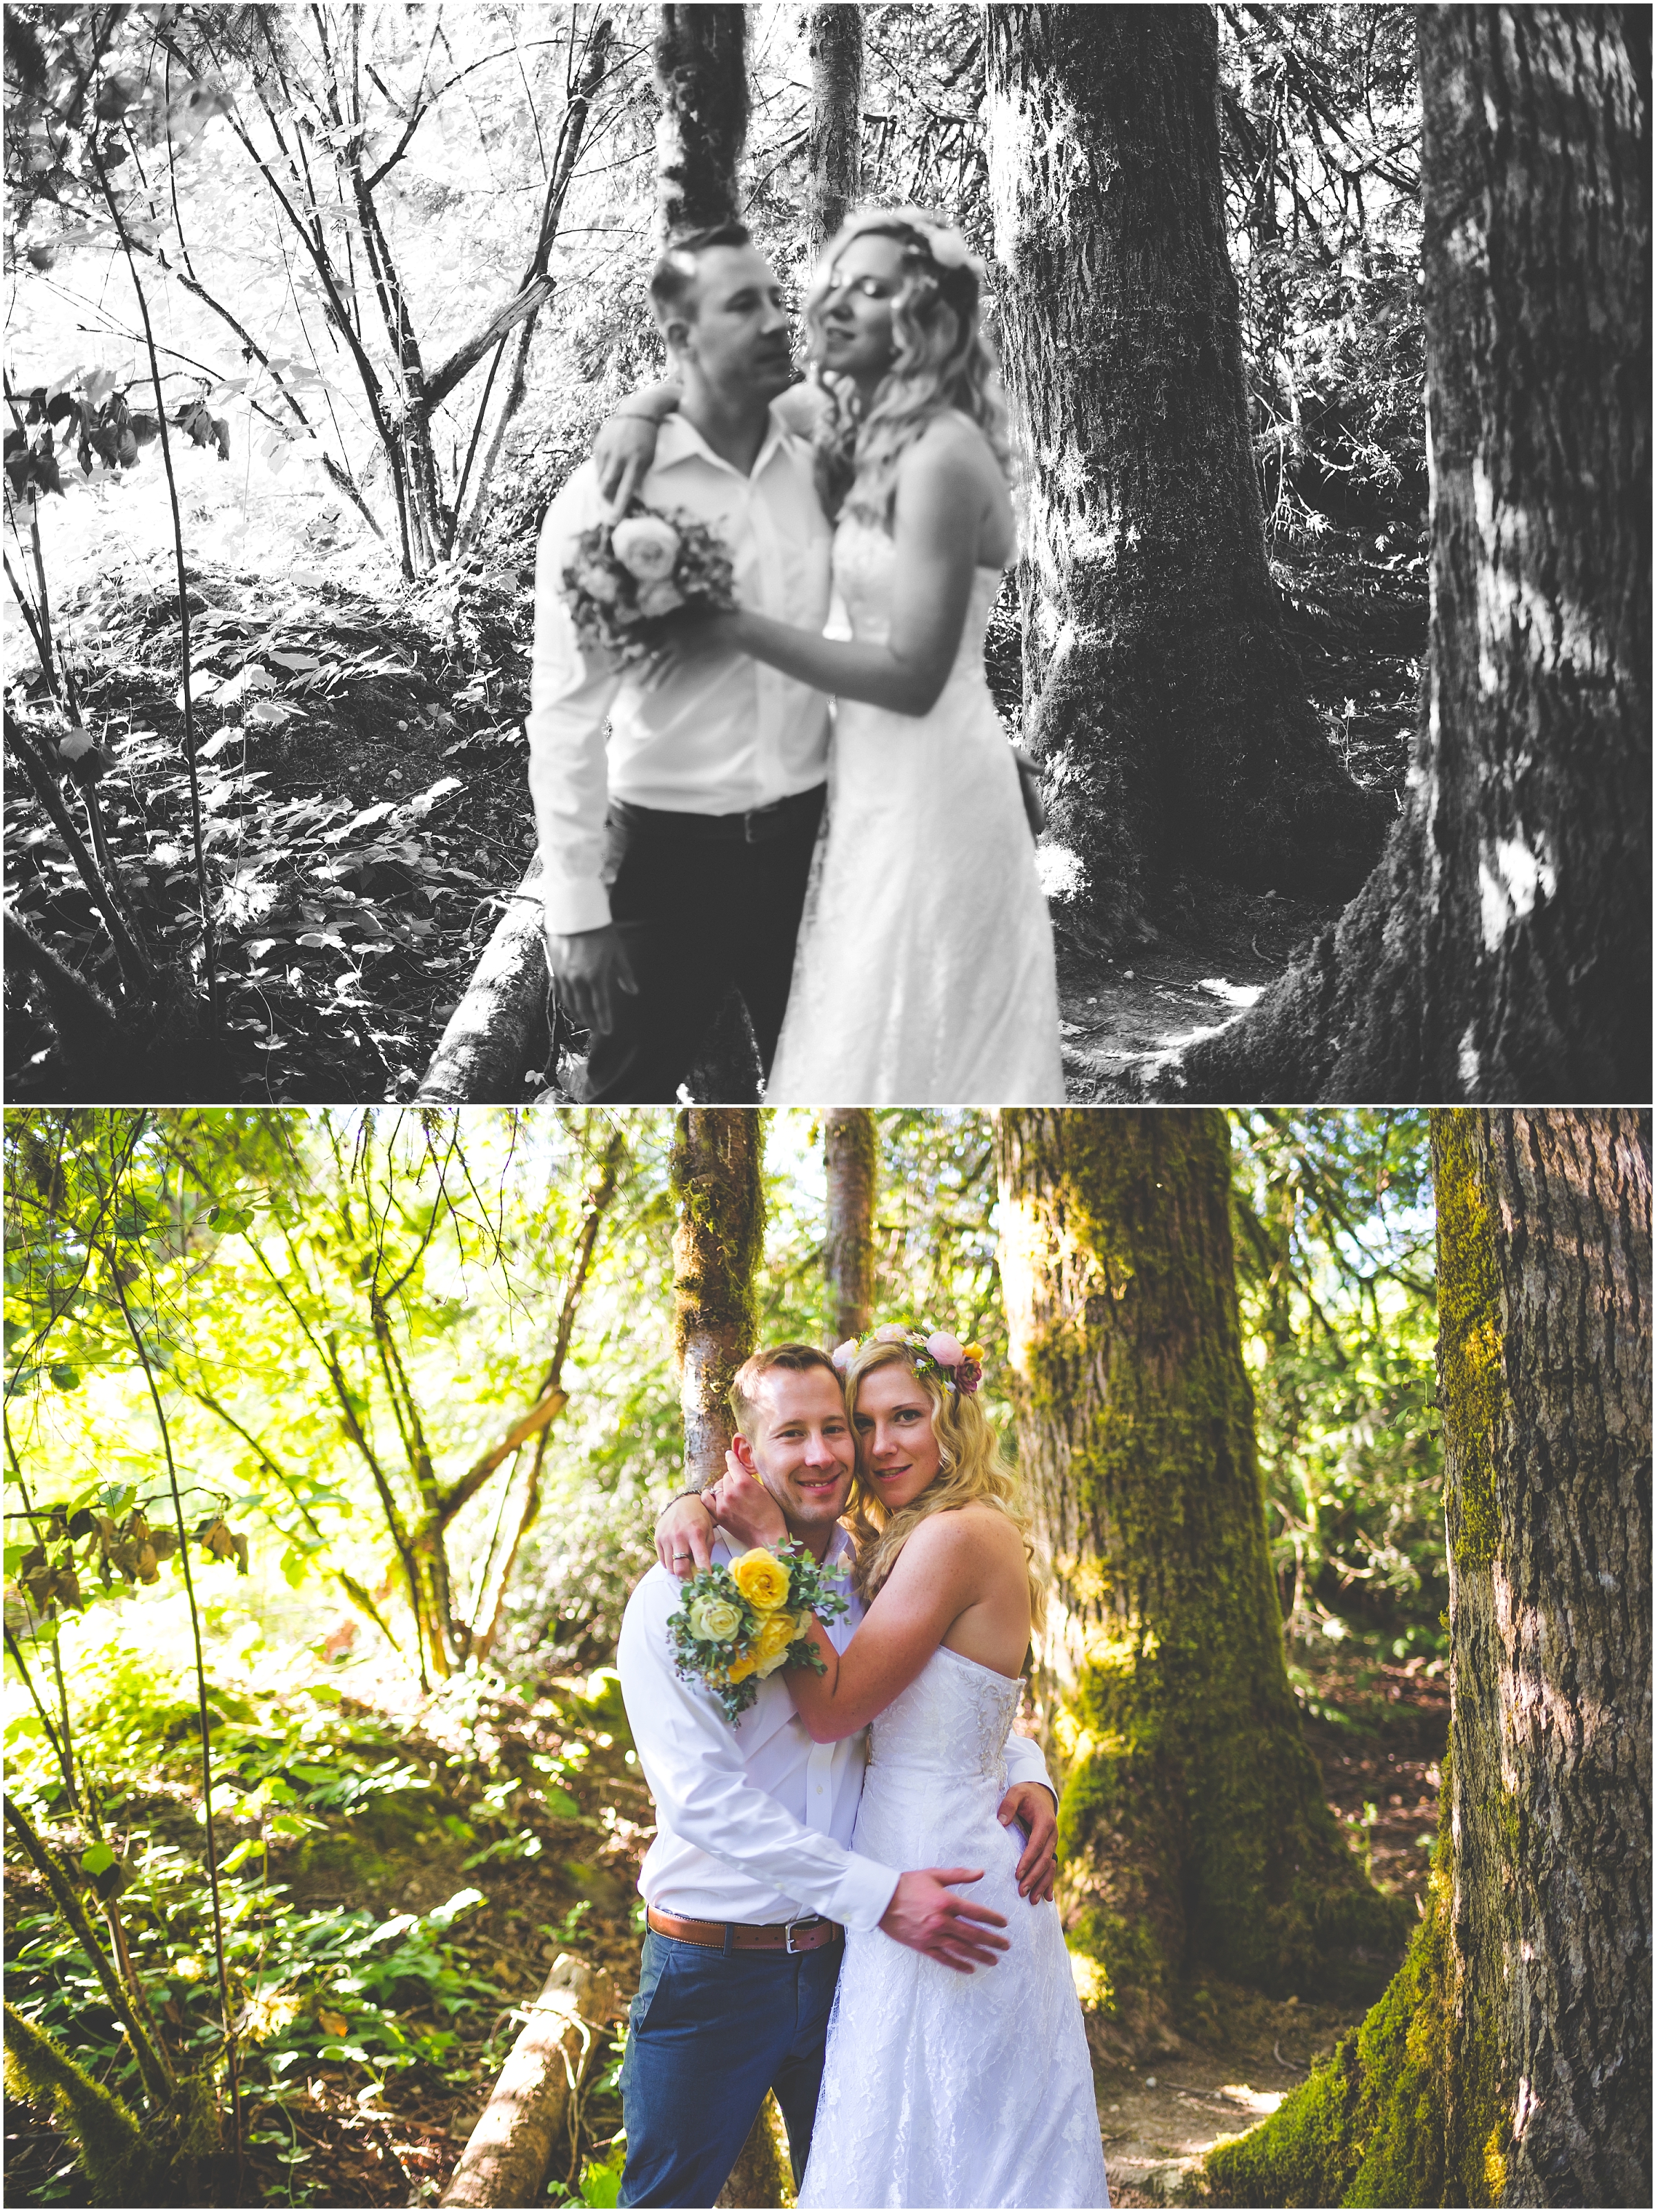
(710, 2033)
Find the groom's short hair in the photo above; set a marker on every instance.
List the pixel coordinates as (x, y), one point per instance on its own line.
(797, 1358)
(674, 273)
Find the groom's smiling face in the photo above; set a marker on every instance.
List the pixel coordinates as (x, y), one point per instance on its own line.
(799, 1444)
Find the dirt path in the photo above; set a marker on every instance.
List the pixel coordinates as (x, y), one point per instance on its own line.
(1121, 1013)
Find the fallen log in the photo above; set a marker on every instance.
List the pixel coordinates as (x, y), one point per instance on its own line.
(533, 2113)
(502, 1025)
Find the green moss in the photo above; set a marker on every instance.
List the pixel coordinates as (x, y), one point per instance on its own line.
(717, 1179)
(1193, 1809)
(1407, 2111)
(158, 2161)
(1472, 1381)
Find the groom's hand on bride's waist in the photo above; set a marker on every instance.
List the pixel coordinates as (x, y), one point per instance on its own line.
(1031, 1805)
(591, 968)
(926, 1914)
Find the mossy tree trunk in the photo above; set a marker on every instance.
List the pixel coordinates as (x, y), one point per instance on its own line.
(848, 1143)
(1509, 2063)
(1501, 948)
(701, 81)
(1196, 1835)
(1166, 703)
(835, 35)
(716, 1163)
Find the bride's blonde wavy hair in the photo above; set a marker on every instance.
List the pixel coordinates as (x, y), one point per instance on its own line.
(941, 360)
(971, 1471)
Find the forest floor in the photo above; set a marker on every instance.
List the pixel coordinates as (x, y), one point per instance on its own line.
(559, 1874)
(363, 788)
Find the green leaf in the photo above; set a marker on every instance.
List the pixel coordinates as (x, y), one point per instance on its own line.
(250, 1847)
(97, 1859)
(65, 1377)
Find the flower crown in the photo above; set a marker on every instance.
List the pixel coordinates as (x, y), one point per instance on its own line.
(936, 1353)
(947, 249)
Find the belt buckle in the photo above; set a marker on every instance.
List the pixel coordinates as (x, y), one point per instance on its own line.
(805, 1920)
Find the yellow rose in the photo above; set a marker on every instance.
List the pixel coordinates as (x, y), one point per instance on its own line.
(763, 1580)
(741, 1668)
(715, 1619)
(976, 1352)
(771, 1645)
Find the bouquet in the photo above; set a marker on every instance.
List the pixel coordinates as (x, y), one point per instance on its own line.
(626, 576)
(739, 1624)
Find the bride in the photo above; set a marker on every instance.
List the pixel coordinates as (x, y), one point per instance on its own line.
(939, 2088)
(926, 880)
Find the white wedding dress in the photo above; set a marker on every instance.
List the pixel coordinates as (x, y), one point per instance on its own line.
(925, 974)
(943, 2088)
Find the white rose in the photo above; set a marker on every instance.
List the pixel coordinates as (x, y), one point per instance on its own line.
(654, 599)
(715, 1619)
(646, 546)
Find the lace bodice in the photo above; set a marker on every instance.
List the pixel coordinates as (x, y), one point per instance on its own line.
(864, 560)
(952, 1720)
(944, 2088)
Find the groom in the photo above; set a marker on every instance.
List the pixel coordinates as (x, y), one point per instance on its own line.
(751, 1883)
(675, 849)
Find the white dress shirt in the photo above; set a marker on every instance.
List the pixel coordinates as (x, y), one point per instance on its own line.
(725, 734)
(753, 1820)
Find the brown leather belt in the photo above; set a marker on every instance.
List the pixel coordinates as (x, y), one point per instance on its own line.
(810, 1932)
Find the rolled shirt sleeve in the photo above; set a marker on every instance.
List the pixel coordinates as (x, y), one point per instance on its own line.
(570, 695)
(693, 1759)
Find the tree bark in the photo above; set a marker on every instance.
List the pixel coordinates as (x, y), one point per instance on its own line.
(761, 2175)
(532, 2112)
(1509, 2063)
(1194, 1829)
(717, 1162)
(727, 1070)
(702, 78)
(852, 1153)
(835, 35)
(1165, 700)
(1501, 949)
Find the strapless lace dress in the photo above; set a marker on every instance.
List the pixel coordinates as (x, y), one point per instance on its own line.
(925, 974)
(943, 2088)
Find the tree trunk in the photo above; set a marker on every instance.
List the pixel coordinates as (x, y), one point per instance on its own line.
(532, 2115)
(762, 2175)
(1194, 1828)
(1501, 949)
(849, 1145)
(1509, 2063)
(702, 78)
(717, 1155)
(1166, 703)
(727, 1070)
(835, 183)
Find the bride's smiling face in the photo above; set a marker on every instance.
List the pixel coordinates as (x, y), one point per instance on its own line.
(853, 317)
(896, 1446)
